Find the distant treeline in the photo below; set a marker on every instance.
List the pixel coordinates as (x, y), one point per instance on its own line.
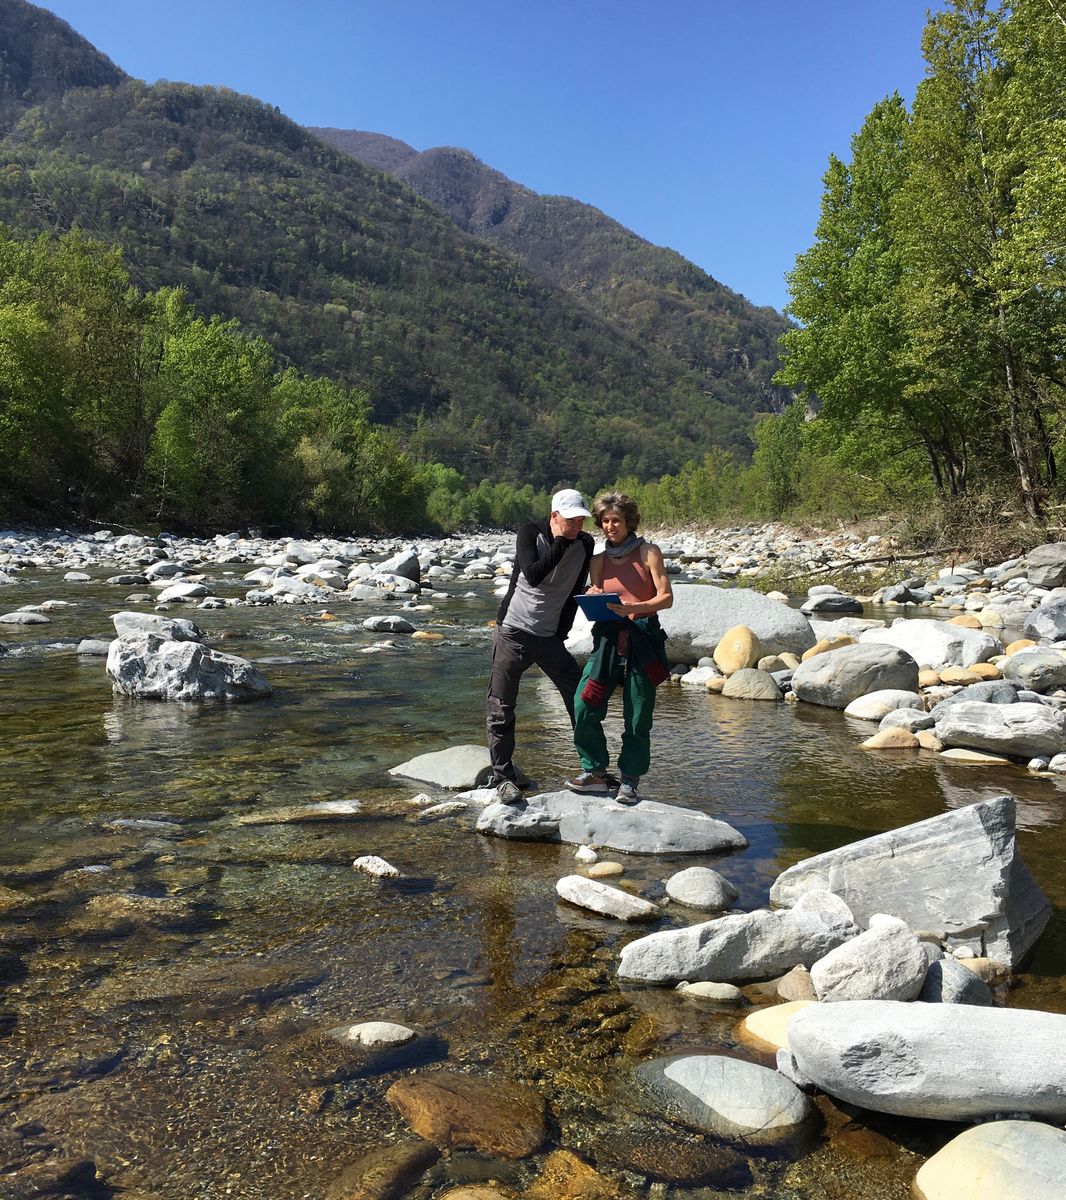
(127, 406)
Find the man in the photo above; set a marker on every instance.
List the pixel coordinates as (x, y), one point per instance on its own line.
(551, 564)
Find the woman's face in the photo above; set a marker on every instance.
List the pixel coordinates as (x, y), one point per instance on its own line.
(614, 526)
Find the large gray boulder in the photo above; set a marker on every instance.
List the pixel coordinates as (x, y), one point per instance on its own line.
(755, 945)
(725, 1096)
(644, 828)
(838, 677)
(936, 643)
(405, 564)
(1047, 565)
(465, 766)
(990, 691)
(1021, 730)
(141, 664)
(1037, 670)
(948, 1062)
(702, 614)
(887, 962)
(1047, 622)
(958, 875)
(999, 1160)
(174, 629)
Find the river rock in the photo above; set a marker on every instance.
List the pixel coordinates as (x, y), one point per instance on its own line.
(181, 592)
(875, 705)
(700, 887)
(995, 691)
(385, 1174)
(958, 875)
(1047, 565)
(887, 962)
(607, 901)
(141, 664)
(298, 814)
(1037, 670)
(914, 720)
(565, 1177)
(726, 1097)
(378, 1035)
(935, 643)
(23, 617)
(834, 603)
(645, 828)
(1047, 622)
(894, 737)
(701, 616)
(751, 684)
(173, 629)
(464, 766)
(716, 993)
(949, 982)
(755, 945)
(375, 867)
(739, 648)
(1000, 1160)
(948, 1062)
(830, 641)
(767, 1028)
(94, 647)
(1020, 730)
(463, 1111)
(405, 564)
(390, 623)
(838, 677)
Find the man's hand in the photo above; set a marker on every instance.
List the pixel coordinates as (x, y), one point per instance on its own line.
(566, 527)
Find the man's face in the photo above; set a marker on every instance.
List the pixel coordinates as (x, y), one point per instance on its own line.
(568, 527)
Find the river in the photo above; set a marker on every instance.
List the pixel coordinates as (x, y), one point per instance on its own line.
(134, 1046)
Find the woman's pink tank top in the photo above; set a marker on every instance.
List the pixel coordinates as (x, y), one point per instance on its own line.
(629, 577)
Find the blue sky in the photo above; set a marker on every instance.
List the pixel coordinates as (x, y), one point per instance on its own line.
(704, 125)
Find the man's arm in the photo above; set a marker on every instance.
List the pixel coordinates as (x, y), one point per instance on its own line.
(535, 564)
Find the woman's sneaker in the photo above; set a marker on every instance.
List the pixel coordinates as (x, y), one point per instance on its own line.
(627, 790)
(592, 783)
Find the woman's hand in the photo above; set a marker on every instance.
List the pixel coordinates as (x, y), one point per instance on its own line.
(593, 591)
(621, 609)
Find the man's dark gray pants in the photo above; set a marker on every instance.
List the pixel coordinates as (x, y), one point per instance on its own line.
(513, 653)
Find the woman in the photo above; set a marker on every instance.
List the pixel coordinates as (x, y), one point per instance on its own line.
(631, 651)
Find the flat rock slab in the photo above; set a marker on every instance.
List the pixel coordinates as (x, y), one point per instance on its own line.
(725, 1096)
(950, 1062)
(755, 945)
(1022, 730)
(464, 766)
(605, 900)
(958, 874)
(645, 828)
(296, 814)
(1002, 1160)
(463, 1111)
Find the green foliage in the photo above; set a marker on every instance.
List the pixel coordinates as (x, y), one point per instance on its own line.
(932, 304)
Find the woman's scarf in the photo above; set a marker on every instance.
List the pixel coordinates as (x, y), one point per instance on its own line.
(624, 548)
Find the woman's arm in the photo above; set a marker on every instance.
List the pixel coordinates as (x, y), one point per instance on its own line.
(595, 575)
(652, 557)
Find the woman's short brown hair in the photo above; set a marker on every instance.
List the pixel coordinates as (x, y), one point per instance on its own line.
(624, 505)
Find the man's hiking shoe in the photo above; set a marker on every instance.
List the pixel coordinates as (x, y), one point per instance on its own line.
(509, 793)
(589, 783)
(627, 791)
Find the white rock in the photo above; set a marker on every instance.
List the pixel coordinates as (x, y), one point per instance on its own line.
(141, 664)
(586, 854)
(370, 864)
(173, 628)
(1000, 1160)
(607, 901)
(700, 887)
(378, 1034)
(936, 643)
(884, 963)
(875, 705)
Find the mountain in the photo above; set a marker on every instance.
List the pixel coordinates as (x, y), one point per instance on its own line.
(648, 290)
(481, 362)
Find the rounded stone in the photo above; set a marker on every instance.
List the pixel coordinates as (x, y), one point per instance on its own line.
(1001, 1160)
(700, 887)
(767, 1029)
(378, 1034)
(892, 738)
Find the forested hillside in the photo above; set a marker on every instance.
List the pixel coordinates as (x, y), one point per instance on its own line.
(346, 273)
(651, 292)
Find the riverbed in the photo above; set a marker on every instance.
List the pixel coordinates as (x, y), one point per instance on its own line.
(167, 1053)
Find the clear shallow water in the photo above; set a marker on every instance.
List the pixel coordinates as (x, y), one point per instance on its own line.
(135, 1046)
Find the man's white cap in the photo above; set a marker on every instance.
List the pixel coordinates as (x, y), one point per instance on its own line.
(570, 503)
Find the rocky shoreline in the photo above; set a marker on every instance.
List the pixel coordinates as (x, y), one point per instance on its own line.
(878, 957)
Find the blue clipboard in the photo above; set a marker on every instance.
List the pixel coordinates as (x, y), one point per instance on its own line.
(595, 607)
